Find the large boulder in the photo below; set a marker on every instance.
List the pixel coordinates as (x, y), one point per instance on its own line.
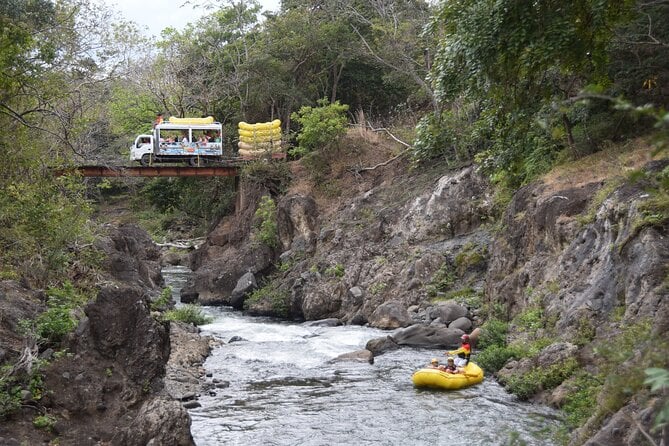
(448, 311)
(390, 315)
(245, 285)
(419, 335)
(159, 421)
(382, 345)
(459, 203)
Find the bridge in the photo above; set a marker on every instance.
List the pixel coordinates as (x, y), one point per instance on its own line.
(153, 171)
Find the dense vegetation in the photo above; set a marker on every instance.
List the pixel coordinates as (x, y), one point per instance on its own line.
(515, 87)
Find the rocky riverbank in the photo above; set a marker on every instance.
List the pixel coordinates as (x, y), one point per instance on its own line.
(432, 253)
(124, 376)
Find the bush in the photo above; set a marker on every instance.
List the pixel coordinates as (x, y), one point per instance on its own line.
(189, 313)
(493, 333)
(442, 280)
(321, 126)
(495, 357)
(59, 319)
(46, 422)
(582, 398)
(276, 298)
(266, 229)
(163, 300)
(538, 379)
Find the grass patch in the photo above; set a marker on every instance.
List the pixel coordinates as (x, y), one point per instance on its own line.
(470, 256)
(189, 313)
(335, 271)
(277, 299)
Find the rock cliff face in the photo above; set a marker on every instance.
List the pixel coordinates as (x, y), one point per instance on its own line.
(109, 386)
(423, 250)
(581, 269)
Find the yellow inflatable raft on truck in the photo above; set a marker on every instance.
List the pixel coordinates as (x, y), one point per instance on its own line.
(437, 379)
(191, 121)
(260, 139)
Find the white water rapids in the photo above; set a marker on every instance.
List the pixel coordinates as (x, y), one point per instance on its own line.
(284, 390)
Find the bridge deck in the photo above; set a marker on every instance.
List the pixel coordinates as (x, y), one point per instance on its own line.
(154, 171)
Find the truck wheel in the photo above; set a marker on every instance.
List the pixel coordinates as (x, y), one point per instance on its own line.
(194, 162)
(146, 160)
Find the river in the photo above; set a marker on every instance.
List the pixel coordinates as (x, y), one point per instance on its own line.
(285, 390)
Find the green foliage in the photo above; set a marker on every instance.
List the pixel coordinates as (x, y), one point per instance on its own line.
(189, 313)
(466, 296)
(654, 210)
(13, 380)
(265, 223)
(531, 319)
(278, 299)
(541, 378)
(658, 380)
(582, 398)
(335, 271)
(504, 73)
(377, 288)
(10, 394)
(598, 199)
(585, 331)
(622, 359)
(444, 136)
(495, 356)
(44, 222)
(59, 319)
(320, 126)
(46, 422)
(183, 201)
(442, 280)
(493, 333)
(164, 300)
(274, 177)
(470, 256)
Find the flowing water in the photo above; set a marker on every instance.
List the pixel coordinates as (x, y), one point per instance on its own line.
(285, 390)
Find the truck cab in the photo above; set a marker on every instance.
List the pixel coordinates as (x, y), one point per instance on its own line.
(142, 149)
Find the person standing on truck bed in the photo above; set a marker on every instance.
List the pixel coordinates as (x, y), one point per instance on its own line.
(159, 120)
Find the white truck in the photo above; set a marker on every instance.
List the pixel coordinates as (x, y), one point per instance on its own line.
(191, 140)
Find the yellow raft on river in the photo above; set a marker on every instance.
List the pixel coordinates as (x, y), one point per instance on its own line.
(436, 379)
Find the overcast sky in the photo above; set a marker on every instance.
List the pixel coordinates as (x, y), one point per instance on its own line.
(156, 15)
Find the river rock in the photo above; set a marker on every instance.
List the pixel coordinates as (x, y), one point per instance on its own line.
(159, 422)
(448, 311)
(357, 356)
(330, 322)
(382, 345)
(245, 285)
(390, 315)
(461, 323)
(419, 335)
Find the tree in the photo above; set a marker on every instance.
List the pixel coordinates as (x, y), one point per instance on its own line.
(515, 64)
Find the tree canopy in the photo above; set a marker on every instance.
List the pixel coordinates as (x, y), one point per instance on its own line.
(514, 86)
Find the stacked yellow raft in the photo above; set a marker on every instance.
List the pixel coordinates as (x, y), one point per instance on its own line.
(191, 121)
(436, 379)
(259, 139)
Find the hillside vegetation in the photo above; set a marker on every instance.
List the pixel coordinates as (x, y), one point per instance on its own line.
(537, 99)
